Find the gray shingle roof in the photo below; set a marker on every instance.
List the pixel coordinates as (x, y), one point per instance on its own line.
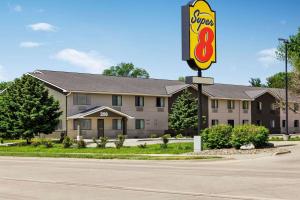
(82, 82)
(71, 81)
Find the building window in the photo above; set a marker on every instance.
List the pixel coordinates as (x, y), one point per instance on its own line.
(231, 122)
(214, 104)
(59, 125)
(283, 123)
(245, 121)
(214, 122)
(296, 123)
(230, 104)
(116, 100)
(258, 122)
(139, 124)
(259, 106)
(117, 124)
(139, 101)
(296, 107)
(272, 123)
(245, 105)
(81, 99)
(273, 106)
(160, 102)
(85, 124)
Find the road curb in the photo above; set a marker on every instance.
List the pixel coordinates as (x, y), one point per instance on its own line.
(281, 152)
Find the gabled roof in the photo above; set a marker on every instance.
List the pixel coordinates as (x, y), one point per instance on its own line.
(98, 109)
(96, 83)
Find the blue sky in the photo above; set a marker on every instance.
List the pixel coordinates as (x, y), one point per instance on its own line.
(91, 35)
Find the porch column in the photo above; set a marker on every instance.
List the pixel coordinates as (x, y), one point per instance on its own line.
(124, 122)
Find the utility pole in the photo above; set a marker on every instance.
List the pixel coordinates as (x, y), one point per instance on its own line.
(286, 42)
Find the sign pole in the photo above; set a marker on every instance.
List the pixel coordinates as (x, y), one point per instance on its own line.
(199, 103)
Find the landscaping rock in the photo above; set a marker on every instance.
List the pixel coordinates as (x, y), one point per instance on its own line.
(247, 147)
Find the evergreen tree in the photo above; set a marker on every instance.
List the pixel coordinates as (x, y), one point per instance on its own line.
(183, 114)
(27, 109)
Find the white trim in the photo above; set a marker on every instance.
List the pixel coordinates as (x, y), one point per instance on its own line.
(64, 90)
(80, 116)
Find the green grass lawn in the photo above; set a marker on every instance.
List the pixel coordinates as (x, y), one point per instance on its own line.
(108, 153)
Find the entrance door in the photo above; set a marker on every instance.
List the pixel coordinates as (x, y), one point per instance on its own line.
(100, 128)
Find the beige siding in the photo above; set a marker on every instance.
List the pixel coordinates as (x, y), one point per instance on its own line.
(155, 121)
(61, 98)
(223, 115)
(292, 117)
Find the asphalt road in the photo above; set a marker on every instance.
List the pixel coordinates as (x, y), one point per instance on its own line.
(273, 177)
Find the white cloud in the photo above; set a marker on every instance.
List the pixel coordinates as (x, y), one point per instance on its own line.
(30, 44)
(42, 27)
(17, 8)
(92, 62)
(267, 57)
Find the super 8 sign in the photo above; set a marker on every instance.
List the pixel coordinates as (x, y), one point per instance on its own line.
(198, 34)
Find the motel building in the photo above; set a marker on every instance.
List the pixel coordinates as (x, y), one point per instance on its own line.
(95, 105)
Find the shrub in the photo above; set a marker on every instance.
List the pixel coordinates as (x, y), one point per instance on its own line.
(217, 137)
(102, 143)
(153, 135)
(142, 146)
(276, 139)
(36, 142)
(1, 140)
(81, 144)
(120, 141)
(165, 139)
(167, 135)
(246, 134)
(67, 142)
(47, 143)
(179, 136)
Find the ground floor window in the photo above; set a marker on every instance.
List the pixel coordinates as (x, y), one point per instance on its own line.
(245, 121)
(139, 124)
(117, 124)
(296, 123)
(59, 125)
(272, 123)
(85, 124)
(230, 122)
(258, 122)
(214, 122)
(283, 123)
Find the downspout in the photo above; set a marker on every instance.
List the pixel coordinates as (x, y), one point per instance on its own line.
(67, 112)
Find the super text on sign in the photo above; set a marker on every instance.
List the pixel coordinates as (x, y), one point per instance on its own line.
(198, 35)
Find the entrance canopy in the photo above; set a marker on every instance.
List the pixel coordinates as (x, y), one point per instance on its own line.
(100, 111)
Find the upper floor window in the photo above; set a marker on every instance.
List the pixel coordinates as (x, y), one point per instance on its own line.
(296, 107)
(214, 104)
(259, 106)
(116, 100)
(139, 124)
(84, 124)
(160, 102)
(245, 105)
(230, 104)
(81, 99)
(139, 101)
